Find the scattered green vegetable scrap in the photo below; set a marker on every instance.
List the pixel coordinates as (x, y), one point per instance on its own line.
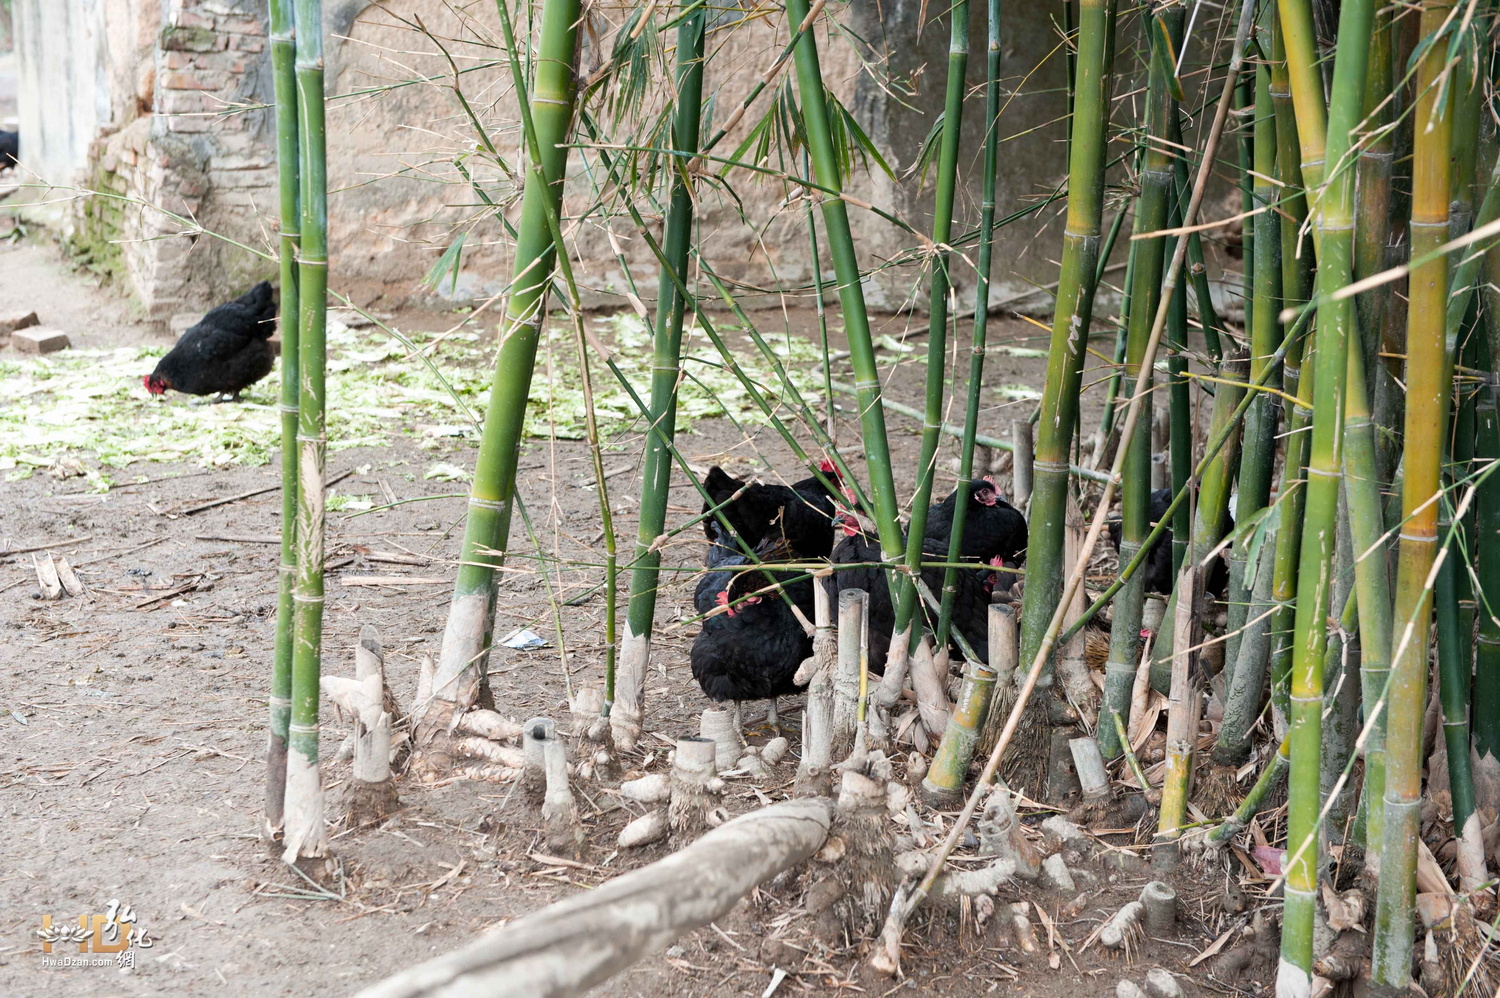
(80, 408)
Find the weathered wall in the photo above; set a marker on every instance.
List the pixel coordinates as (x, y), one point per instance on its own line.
(162, 102)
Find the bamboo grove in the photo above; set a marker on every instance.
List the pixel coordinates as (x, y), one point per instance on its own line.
(1313, 415)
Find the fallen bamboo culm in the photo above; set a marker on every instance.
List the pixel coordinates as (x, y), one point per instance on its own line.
(571, 946)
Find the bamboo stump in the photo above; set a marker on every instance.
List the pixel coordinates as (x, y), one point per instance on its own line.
(535, 736)
(696, 787)
(861, 849)
(593, 736)
(559, 811)
(819, 714)
(371, 796)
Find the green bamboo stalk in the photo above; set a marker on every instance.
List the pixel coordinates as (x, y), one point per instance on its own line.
(666, 369)
(1296, 289)
(1070, 327)
(284, 80)
(1258, 453)
(981, 311)
(817, 282)
(1341, 661)
(1373, 205)
(1214, 330)
(462, 661)
(1486, 706)
(1454, 672)
(937, 323)
(1334, 219)
(1245, 103)
(851, 291)
(305, 836)
(1372, 584)
(1426, 354)
(1151, 210)
(1367, 378)
(1212, 507)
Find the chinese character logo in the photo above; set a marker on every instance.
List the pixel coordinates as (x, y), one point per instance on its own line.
(113, 934)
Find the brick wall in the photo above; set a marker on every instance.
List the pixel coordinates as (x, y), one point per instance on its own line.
(199, 158)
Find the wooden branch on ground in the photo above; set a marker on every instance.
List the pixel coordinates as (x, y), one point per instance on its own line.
(330, 483)
(570, 946)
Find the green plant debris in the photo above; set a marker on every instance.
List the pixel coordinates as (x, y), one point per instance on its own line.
(1020, 392)
(91, 405)
(442, 472)
(708, 389)
(893, 345)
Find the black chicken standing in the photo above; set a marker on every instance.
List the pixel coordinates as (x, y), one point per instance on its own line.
(751, 650)
(1158, 564)
(225, 353)
(994, 535)
(801, 512)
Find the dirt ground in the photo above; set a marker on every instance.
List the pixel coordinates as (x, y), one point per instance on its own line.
(133, 726)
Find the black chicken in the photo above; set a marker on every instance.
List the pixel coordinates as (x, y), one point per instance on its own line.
(10, 149)
(751, 651)
(225, 353)
(1158, 564)
(801, 512)
(719, 569)
(859, 554)
(993, 528)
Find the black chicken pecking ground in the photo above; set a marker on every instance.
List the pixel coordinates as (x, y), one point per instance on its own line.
(226, 352)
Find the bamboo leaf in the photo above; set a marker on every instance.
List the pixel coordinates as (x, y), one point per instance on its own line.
(447, 266)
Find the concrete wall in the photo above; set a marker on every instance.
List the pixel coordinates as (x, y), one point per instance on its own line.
(162, 102)
(63, 88)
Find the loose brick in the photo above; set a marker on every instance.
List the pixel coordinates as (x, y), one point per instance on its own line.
(10, 322)
(39, 340)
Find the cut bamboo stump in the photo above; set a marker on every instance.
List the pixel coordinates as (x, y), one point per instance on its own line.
(559, 810)
(863, 824)
(1160, 903)
(818, 714)
(535, 734)
(372, 795)
(1005, 651)
(718, 725)
(853, 645)
(1001, 835)
(695, 786)
(579, 942)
